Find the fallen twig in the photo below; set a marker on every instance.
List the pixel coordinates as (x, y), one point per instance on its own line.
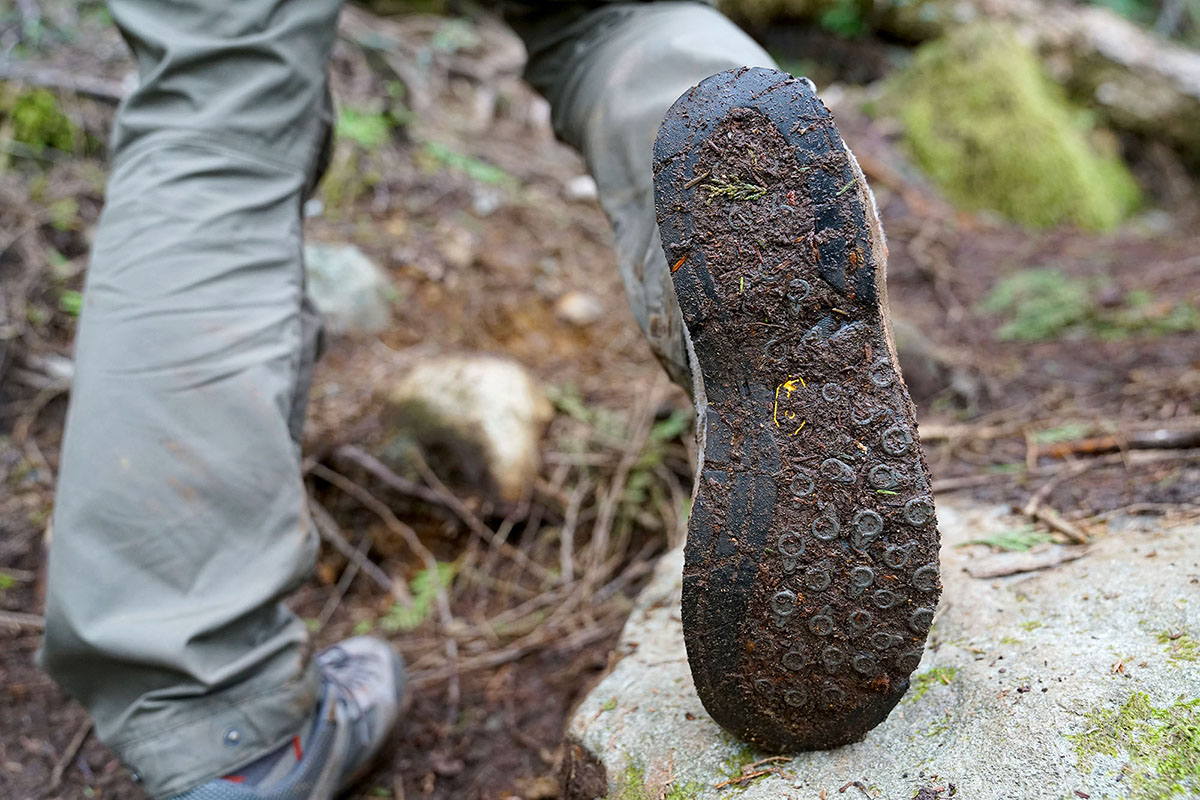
(474, 524)
(18, 619)
(409, 536)
(567, 537)
(516, 651)
(1002, 564)
(50, 78)
(343, 584)
(643, 420)
(747, 777)
(857, 785)
(1056, 521)
(1157, 439)
(68, 755)
(377, 468)
(331, 532)
(946, 485)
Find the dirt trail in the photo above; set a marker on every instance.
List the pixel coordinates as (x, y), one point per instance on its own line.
(467, 205)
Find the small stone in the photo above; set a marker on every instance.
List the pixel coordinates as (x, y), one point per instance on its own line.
(351, 292)
(477, 420)
(579, 308)
(581, 187)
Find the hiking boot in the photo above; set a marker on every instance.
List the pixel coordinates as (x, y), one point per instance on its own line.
(811, 571)
(363, 695)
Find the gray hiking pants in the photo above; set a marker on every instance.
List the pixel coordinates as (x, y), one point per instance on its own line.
(180, 521)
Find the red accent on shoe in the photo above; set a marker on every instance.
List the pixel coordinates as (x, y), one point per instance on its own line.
(235, 778)
(296, 748)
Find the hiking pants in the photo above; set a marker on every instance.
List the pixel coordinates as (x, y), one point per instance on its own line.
(180, 520)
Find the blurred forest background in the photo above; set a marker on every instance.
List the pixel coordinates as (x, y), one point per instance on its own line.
(1036, 167)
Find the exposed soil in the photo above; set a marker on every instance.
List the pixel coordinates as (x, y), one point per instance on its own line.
(479, 260)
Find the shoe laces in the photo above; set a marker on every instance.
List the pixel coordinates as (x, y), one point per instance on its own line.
(349, 674)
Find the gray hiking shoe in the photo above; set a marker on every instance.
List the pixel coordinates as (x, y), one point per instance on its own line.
(363, 695)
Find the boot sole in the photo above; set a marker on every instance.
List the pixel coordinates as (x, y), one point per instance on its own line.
(811, 565)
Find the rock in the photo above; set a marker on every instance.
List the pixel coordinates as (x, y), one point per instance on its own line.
(351, 292)
(581, 188)
(579, 308)
(994, 133)
(1032, 686)
(477, 419)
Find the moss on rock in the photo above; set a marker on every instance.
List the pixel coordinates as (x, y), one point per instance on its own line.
(1160, 746)
(982, 119)
(632, 786)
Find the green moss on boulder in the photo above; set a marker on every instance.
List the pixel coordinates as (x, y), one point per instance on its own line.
(989, 127)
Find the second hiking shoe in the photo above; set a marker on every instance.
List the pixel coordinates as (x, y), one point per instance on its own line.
(811, 572)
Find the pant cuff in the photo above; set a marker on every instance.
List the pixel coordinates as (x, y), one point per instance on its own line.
(214, 736)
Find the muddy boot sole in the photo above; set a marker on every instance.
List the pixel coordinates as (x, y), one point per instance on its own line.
(811, 566)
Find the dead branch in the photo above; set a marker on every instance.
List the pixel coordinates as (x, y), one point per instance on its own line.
(474, 524)
(567, 536)
(18, 619)
(331, 532)
(68, 755)
(409, 536)
(1157, 439)
(343, 584)
(518, 650)
(947, 485)
(377, 468)
(643, 420)
(50, 78)
(1039, 513)
(1002, 564)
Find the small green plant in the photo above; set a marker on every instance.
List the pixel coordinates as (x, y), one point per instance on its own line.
(1063, 433)
(926, 680)
(70, 301)
(1041, 303)
(846, 18)
(470, 166)
(424, 587)
(1015, 539)
(1045, 303)
(7, 581)
(368, 129)
(731, 187)
(64, 214)
(609, 704)
(1030, 625)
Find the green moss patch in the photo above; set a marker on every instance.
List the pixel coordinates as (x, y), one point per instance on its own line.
(922, 683)
(1160, 745)
(37, 121)
(1046, 303)
(632, 786)
(1179, 648)
(983, 120)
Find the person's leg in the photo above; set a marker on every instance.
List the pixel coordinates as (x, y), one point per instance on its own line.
(610, 73)
(180, 518)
